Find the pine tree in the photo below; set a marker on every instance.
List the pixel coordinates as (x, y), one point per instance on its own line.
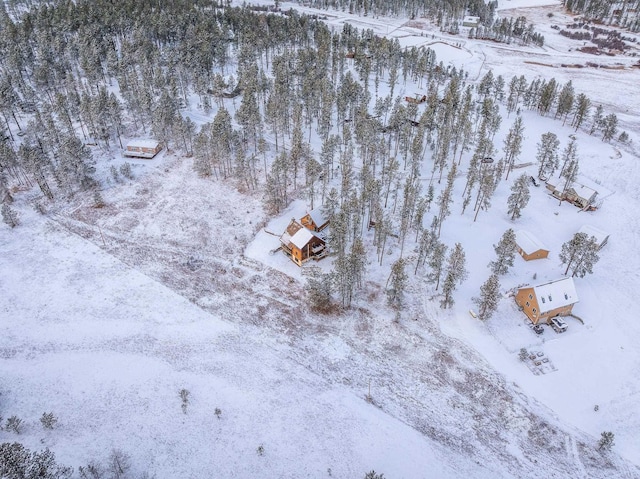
(596, 121)
(570, 173)
(609, 126)
(513, 144)
(565, 101)
(581, 110)
(489, 298)
(580, 254)
(9, 216)
(445, 198)
(547, 154)
(318, 288)
(505, 253)
(606, 441)
(397, 283)
(454, 275)
(436, 261)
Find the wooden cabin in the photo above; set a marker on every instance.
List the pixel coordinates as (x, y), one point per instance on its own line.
(543, 302)
(591, 231)
(417, 99)
(142, 148)
(302, 244)
(314, 220)
(580, 195)
(471, 21)
(529, 246)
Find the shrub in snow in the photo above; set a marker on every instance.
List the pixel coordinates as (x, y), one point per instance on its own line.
(14, 423)
(125, 170)
(48, 420)
(373, 475)
(114, 173)
(119, 463)
(606, 441)
(98, 201)
(260, 450)
(184, 395)
(218, 412)
(523, 354)
(93, 470)
(17, 462)
(9, 216)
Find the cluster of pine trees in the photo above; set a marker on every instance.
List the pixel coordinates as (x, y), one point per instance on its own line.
(274, 84)
(625, 14)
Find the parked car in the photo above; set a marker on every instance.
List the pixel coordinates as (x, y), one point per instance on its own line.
(558, 324)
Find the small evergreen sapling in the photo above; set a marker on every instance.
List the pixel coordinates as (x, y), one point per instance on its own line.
(184, 396)
(523, 354)
(14, 423)
(48, 420)
(9, 216)
(606, 441)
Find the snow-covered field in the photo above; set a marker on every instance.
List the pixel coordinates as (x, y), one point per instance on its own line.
(108, 313)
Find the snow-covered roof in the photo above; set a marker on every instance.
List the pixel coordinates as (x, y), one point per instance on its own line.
(317, 217)
(590, 231)
(141, 143)
(301, 238)
(528, 242)
(583, 191)
(556, 294)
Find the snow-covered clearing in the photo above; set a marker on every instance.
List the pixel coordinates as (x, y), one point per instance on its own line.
(107, 313)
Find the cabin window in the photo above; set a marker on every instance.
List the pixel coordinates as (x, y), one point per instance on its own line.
(565, 296)
(550, 298)
(530, 296)
(528, 303)
(542, 300)
(534, 310)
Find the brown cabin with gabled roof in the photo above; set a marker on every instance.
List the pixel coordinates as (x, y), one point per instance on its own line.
(314, 220)
(302, 244)
(543, 302)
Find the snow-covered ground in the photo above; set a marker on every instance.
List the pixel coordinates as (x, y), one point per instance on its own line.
(107, 314)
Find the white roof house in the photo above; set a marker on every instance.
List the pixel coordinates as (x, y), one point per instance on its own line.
(142, 148)
(529, 246)
(556, 294)
(142, 143)
(600, 236)
(470, 21)
(301, 238)
(529, 242)
(584, 192)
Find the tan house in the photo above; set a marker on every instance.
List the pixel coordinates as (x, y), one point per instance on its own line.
(543, 302)
(302, 244)
(600, 236)
(142, 148)
(529, 246)
(314, 220)
(580, 195)
(471, 21)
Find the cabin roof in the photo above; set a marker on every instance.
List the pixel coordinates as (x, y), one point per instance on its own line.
(556, 294)
(317, 217)
(590, 231)
(297, 235)
(583, 191)
(142, 143)
(301, 238)
(528, 242)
